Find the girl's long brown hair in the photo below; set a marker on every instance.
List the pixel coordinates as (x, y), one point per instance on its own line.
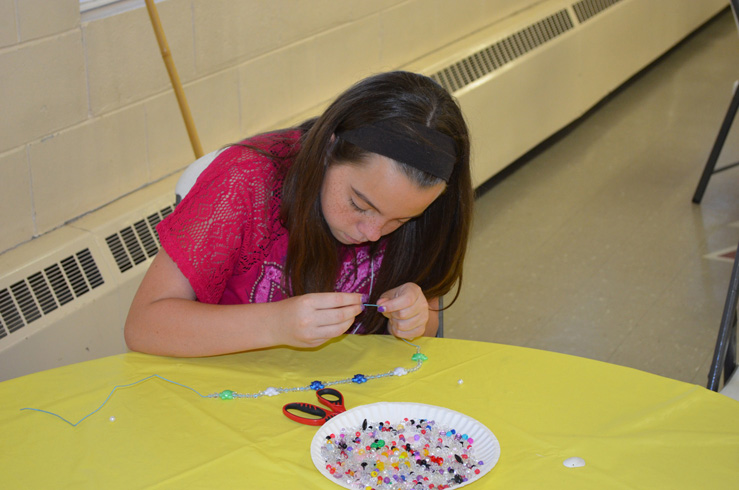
(428, 250)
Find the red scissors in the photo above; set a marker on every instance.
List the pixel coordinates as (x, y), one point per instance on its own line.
(335, 404)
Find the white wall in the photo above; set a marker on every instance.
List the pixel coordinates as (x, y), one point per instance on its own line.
(87, 114)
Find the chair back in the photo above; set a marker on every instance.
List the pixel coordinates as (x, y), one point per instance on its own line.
(191, 174)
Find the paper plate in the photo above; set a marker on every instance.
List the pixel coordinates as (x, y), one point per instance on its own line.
(486, 446)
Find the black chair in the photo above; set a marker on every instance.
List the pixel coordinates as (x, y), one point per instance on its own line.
(724, 355)
(723, 132)
(440, 331)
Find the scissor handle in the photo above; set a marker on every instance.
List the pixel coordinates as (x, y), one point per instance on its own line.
(336, 405)
(308, 409)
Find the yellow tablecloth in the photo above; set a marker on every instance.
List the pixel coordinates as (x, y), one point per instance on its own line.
(633, 429)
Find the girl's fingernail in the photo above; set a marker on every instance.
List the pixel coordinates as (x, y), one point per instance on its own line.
(381, 309)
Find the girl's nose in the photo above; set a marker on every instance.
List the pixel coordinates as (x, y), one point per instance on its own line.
(371, 229)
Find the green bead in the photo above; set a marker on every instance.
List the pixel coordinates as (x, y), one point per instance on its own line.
(226, 395)
(419, 357)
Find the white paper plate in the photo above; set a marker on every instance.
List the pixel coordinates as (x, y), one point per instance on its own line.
(486, 445)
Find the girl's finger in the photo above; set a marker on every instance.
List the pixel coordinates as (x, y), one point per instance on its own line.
(400, 298)
(337, 316)
(327, 301)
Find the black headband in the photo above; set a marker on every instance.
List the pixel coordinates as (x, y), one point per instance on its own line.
(433, 153)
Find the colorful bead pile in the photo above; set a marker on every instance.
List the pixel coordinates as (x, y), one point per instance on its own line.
(411, 454)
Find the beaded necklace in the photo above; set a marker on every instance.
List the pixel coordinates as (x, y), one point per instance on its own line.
(418, 357)
(317, 385)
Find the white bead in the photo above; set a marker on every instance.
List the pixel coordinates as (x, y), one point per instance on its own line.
(271, 391)
(112, 419)
(574, 462)
(399, 371)
(460, 381)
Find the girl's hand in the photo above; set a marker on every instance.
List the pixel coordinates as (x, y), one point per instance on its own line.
(312, 319)
(407, 310)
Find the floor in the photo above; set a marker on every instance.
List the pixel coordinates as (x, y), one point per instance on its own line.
(592, 246)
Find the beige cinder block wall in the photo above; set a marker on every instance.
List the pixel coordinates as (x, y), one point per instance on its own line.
(87, 113)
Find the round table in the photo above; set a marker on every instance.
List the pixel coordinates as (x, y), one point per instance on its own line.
(633, 429)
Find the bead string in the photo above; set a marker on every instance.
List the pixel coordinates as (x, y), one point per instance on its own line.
(418, 357)
(317, 385)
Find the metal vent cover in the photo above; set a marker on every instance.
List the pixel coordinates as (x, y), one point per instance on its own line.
(462, 73)
(135, 244)
(44, 291)
(585, 9)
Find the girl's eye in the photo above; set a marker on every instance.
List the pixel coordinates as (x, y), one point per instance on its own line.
(356, 208)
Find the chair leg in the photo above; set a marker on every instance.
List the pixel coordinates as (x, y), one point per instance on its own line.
(730, 360)
(717, 146)
(726, 341)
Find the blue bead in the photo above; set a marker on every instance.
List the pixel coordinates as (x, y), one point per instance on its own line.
(316, 385)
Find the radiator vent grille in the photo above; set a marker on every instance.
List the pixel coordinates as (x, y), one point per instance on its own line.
(43, 292)
(135, 244)
(585, 9)
(462, 73)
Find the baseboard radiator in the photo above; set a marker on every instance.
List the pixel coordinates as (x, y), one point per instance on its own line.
(64, 296)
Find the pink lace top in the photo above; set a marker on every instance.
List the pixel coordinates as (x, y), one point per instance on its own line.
(226, 236)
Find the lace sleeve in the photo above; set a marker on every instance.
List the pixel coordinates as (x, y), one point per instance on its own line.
(204, 234)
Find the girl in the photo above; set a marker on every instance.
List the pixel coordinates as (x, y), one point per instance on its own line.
(286, 236)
